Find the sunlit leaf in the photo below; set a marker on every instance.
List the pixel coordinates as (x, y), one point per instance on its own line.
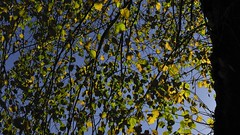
(165, 68)
(132, 122)
(98, 6)
(165, 133)
(21, 35)
(155, 132)
(199, 118)
(93, 53)
(130, 131)
(155, 113)
(2, 38)
(151, 120)
(129, 56)
(210, 121)
(139, 67)
(102, 58)
(89, 124)
(104, 115)
(168, 47)
(125, 12)
(199, 84)
(158, 5)
(39, 8)
(119, 28)
(158, 51)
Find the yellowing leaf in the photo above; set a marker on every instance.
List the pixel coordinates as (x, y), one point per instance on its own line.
(87, 45)
(210, 121)
(199, 84)
(174, 70)
(12, 108)
(158, 6)
(125, 12)
(158, 51)
(98, 6)
(81, 102)
(21, 35)
(39, 8)
(154, 132)
(89, 124)
(117, 2)
(151, 120)
(132, 122)
(165, 68)
(139, 67)
(76, 5)
(119, 28)
(168, 47)
(104, 115)
(129, 56)
(2, 38)
(130, 130)
(194, 109)
(199, 118)
(165, 133)
(155, 113)
(102, 58)
(93, 54)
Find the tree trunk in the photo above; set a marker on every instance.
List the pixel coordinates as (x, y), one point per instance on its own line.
(224, 26)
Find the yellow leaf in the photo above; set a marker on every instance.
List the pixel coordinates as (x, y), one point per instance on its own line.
(12, 108)
(158, 6)
(81, 102)
(174, 70)
(199, 84)
(117, 2)
(21, 35)
(39, 8)
(102, 58)
(2, 38)
(87, 45)
(125, 12)
(158, 51)
(129, 56)
(155, 113)
(104, 115)
(199, 118)
(139, 67)
(205, 84)
(76, 6)
(98, 6)
(130, 130)
(89, 124)
(155, 132)
(210, 121)
(151, 120)
(168, 47)
(165, 68)
(194, 109)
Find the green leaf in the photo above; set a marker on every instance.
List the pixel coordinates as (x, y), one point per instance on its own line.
(93, 54)
(39, 8)
(120, 27)
(132, 122)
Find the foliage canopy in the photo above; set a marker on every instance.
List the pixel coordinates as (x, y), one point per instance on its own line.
(102, 67)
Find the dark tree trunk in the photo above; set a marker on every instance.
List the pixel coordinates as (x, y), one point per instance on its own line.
(224, 26)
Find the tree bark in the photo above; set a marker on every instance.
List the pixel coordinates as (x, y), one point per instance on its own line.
(223, 17)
